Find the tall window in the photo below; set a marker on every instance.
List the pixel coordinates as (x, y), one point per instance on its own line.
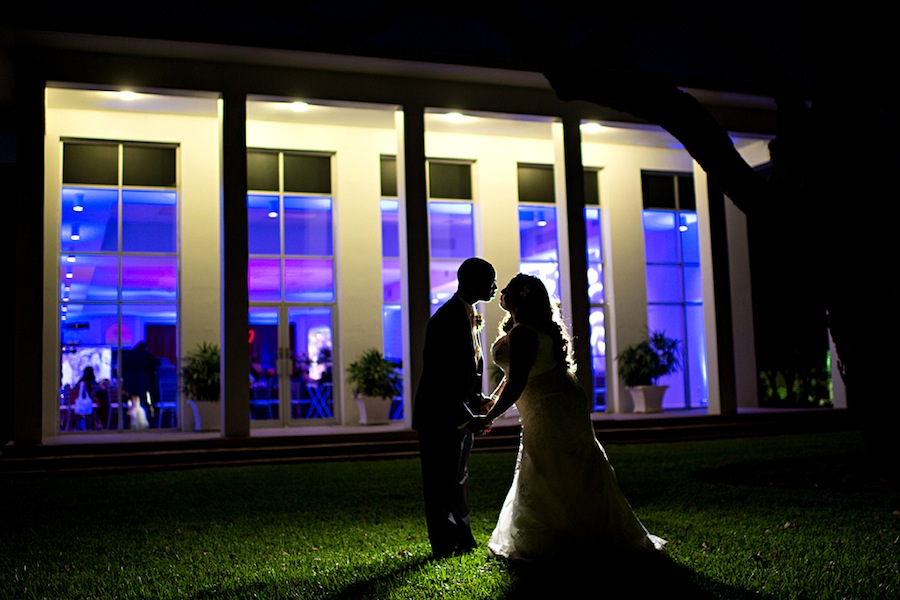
(392, 314)
(539, 252)
(593, 218)
(118, 284)
(674, 291)
(291, 284)
(451, 224)
(538, 245)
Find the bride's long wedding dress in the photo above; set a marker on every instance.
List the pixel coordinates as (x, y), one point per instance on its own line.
(564, 496)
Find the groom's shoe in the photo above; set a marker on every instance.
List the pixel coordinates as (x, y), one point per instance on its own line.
(455, 551)
(460, 550)
(438, 553)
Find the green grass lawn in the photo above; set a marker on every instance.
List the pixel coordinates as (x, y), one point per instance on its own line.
(745, 518)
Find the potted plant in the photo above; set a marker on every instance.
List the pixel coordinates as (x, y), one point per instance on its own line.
(374, 381)
(642, 365)
(200, 383)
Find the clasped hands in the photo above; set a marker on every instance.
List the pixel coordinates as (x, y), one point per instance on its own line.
(481, 425)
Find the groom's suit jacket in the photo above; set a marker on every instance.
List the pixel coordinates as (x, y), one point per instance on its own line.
(451, 375)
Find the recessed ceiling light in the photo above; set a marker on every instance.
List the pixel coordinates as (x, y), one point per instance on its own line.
(591, 127)
(299, 106)
(127, 95)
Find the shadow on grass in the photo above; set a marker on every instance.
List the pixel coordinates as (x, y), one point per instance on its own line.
(627, 575)
(631, 576)
(374, 585)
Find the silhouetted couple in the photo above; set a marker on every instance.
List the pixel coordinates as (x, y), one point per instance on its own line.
(564, 495)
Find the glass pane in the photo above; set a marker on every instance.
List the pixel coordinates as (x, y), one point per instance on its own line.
(686, 198)
(311, 349)
(390, 228)
(594, 234)
(88, 277)
(89, 336)
(537, 234)
(392, 314)
(548, 272)
(670, 319)
(91, 163)
(693, 286)
(149, 278)
(167, 413)
(690, 238)
(307, 173)
(88, 410)
(149, 221)
(90, 220)
(695, 355)
(78, 357)
(597, 321)
(149, 166)
(391, 281)
(264, 279)
(536, 183)
(449, 180)
(262, 170)
(148, 367)
(308, 280)
(307, 226)
(663, 283)
(392, 326)
(263, 224)
(596, 290)
(443, 281)
(139, 319)
(89, 324)
(660, 242)
(388, 176)
(592, 187)
(452, 230)
(263, 350)
(162, 339)
(658, 190)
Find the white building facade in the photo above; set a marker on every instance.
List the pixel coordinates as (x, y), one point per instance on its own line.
(296, 236)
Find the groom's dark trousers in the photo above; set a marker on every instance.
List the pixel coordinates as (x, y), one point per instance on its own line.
(445, 475)
(451, 379)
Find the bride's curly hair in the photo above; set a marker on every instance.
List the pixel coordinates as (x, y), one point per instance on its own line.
(534, 308)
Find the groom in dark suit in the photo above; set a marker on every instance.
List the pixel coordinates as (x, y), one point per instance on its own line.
(447, 399)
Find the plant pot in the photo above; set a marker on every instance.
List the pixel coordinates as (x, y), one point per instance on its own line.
(203, 416)
(647, 398)
(373, 411)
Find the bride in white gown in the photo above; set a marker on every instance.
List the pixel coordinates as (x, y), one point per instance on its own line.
(564, 496)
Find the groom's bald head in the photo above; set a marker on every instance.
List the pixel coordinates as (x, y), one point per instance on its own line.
(477, 280)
